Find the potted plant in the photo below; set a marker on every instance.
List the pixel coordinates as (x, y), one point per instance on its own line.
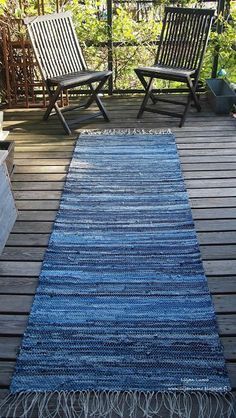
(222, 50)
(221, 95)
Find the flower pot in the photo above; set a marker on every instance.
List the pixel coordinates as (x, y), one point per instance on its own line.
(220, 95)
(8, 146)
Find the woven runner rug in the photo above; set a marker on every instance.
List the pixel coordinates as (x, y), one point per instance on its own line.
(122, 317)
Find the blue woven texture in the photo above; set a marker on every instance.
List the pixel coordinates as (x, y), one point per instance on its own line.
(122, 301)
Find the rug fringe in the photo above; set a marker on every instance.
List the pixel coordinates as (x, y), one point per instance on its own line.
(125, 131)
(104, 404)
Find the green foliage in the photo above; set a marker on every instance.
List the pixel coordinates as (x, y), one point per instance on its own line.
(140, 27)
(2, 7)
(225, 44)
(135, 26)
(90, 27)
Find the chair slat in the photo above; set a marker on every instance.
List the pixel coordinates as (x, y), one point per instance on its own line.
(179, 40)
(199, 38)
(181, 52)
(56, 54)
(161, 51)
(76, 52)
(170, 40)
(189, 42)
(64, 63)
(196, 36)
(71, 56)
(202, 45)
(56, 63)
(183, 37)
(41, 52)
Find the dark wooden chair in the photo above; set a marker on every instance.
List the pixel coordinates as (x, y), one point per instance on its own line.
(180, 53)
(62, 64)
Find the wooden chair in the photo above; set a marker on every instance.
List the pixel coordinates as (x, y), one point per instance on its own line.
(62, 64)
(181, 49)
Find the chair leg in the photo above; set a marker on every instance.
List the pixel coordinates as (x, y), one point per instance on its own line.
(94, 98)
(193, 86)
(53, 97)
(62, 119)
(192, 95)
(145, 84)
(146, 97)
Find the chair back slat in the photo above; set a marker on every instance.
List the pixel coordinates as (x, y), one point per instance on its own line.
(181, 27)
(184, 37)
(74, 54)
(44, 49)
(53, 52)
(166, 44)
(183, 51)
(185, 54)
(169, 41)
(199, 50)
(55, 44)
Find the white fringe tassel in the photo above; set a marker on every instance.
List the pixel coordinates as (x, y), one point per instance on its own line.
(112, 404)
(124, 131)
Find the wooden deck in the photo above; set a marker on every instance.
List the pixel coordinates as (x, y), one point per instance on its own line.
(207, 148)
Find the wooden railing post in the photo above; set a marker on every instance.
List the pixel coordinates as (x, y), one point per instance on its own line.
(110, 43)
(6, 66)
(219, 29)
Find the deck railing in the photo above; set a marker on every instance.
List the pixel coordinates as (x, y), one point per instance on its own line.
(22, 81)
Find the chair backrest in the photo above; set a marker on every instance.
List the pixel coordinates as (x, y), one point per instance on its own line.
(55, 44)
(184, 37)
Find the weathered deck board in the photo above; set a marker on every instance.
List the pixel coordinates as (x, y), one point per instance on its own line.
(209, 185)
(9, 347)
(41, 239)
(29, 213)
(200, 225)
(207, 149)
(7, 368)
(16, 285)
(22, 303)
(212, 252)
(14, 324)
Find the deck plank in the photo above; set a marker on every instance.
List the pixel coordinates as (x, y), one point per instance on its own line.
(32, 268)
(22, 303)
(200, 225)
(17, 285)
(14, 324)
(207, 151)
(7, 368)
(20, 252)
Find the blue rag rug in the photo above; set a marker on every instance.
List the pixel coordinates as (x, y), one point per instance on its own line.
(122, 305)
